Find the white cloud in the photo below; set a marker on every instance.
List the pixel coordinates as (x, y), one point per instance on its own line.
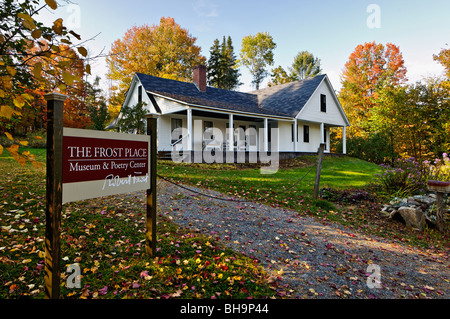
(206, 8)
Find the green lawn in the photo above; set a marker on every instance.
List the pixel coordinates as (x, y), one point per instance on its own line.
(278, 188)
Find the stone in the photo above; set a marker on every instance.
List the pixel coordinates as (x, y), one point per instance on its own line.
(413, 217)
(426, 199)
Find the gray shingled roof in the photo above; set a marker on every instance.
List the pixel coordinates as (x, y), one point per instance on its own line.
(283, 100)
(288, 98)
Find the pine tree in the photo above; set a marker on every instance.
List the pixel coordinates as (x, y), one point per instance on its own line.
(214, 65)
(232, 73)
(222, 71)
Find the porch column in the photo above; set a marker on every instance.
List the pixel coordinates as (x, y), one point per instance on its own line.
(266, 135)
(231, 133)
(344, 140)
(295, 135)
(189, 128)
(322, 133)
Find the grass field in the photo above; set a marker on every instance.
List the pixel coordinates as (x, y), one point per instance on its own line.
(292, 186)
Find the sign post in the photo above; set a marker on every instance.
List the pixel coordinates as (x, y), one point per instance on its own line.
(150, 246)
(84, 164)
(55, 104)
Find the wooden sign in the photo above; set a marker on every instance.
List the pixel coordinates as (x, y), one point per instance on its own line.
(97, 163)
(83, 164)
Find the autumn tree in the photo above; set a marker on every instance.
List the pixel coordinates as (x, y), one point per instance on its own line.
(256, 54)
(166, 50)
(222, 65)
(370, 68)
(444, 58)
(24, 41)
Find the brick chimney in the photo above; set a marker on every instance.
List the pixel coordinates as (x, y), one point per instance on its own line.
(200, 77)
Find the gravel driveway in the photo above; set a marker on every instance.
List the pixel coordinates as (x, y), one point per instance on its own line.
(312, 259)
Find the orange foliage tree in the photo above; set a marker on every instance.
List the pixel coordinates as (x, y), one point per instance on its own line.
(370, 69)
(165, 50)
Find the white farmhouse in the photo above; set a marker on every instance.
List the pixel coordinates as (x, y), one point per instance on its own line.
(195, 117)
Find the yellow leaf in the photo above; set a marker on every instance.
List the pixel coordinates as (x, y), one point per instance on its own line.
(24, 143)
(9, 136)
(58, 26)
(82, 51)
(27, 96)
(1, 149)
(38, 137)
(11, 70)
(88, 68)
(52, 4)
(36, 165)
(19, 101)
(37, 70)
(6, 82)
(2, 93)
(29, 24)
(36, 33)
(6, 111)
(13, 148)
(67, 77)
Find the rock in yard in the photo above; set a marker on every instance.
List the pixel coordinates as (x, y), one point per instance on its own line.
(413, 217)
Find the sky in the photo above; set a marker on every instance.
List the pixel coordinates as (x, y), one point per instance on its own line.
(329, 29)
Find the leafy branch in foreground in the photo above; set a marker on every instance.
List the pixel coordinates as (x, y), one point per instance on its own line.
(26, 45)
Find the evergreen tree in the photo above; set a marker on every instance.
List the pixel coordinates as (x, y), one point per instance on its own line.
(214, 65)
(231, 71)
(222, 70)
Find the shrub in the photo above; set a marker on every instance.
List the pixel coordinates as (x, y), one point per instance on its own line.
(440, 169)
(405, 177)
(408, 177)
(376, 148)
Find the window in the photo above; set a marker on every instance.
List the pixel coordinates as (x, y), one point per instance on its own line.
(140, 94)
(176, 124)
(208, 126)
(325, 137)
(252, 135)
(323, 103)
(305, 133)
